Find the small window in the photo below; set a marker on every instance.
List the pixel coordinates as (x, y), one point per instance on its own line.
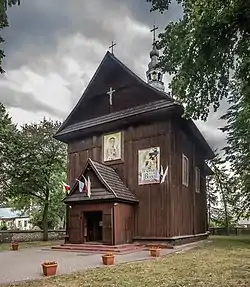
(25, 223)
(185, 170)
(197, 180)
(19, 223)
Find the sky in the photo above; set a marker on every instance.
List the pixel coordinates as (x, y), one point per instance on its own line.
(54, 47)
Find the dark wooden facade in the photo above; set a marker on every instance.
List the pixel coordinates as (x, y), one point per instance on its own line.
(162, 211)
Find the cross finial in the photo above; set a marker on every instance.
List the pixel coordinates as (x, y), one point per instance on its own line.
(110, 93)
(153, 30)
(112, 47)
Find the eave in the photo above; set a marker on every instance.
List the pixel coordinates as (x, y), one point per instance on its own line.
(114, 120)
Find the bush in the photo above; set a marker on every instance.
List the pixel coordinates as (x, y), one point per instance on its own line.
(3, 226)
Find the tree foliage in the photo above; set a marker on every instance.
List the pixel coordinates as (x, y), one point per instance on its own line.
(4, 4)
(207, 53)
(8, 134)
(38, 169)
(238, 146)
(226, 203)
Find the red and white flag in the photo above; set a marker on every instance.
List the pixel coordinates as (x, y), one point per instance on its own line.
(66, 187)
(85, 186)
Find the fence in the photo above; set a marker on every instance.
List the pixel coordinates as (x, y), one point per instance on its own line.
(232, 231)
(7, 236)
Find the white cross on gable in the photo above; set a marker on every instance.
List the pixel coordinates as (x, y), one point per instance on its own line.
(110, 93)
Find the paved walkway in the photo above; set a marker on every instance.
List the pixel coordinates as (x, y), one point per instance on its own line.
(25, 264)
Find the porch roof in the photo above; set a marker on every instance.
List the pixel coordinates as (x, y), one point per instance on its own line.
(114, 188)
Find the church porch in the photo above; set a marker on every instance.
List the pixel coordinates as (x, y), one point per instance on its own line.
(105, 214)
(103, 223)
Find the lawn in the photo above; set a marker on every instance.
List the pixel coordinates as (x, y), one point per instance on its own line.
(7, 246)
(225, 262)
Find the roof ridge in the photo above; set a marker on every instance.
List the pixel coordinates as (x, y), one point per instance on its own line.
(83, 94)
(140, 79)
(123, 66)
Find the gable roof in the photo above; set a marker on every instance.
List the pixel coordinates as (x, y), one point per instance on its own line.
(103, 77)
(95, 86)
(115, 188)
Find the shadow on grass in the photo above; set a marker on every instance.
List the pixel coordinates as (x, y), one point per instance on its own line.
(233, 241)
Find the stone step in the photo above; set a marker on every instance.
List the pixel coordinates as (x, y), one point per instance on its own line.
(99, 248)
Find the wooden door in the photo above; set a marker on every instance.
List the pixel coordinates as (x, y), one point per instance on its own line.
(107, 227)
(74, 228)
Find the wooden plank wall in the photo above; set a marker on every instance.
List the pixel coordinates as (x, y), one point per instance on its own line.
(190, 207)
(164, 210)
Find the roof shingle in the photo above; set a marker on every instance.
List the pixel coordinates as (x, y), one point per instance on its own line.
(114, 186)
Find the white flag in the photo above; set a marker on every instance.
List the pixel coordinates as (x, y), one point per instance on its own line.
(161, 172)
(89, 187)
(164, 175)
(81, 186)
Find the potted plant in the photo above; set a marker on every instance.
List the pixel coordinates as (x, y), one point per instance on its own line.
(49, 268)
(108, 258)
(14, 245)
(155, 251)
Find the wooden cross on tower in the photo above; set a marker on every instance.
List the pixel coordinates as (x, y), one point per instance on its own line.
(110, 93)
(153, 30)
(112, 47)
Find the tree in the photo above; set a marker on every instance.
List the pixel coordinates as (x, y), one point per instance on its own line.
(56, 212)
(34, 206)
(39, 165)
(4, 4)
(207, 53)
(8, 134)
(238, 146)
(226, 201)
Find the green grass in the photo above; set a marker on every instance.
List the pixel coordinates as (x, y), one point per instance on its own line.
(224, 263)
(7, 246)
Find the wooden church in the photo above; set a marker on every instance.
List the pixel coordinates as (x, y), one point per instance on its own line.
(142, 162)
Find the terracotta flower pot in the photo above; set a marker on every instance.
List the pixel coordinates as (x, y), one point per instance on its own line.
(15, 246)
(155, 252)
(49, 269)
(108, 259)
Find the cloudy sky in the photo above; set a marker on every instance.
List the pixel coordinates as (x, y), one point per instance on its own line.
(53, 48)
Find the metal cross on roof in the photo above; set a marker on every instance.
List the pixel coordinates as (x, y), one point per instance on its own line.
(110, 93)
(153, 30)
(112, 47)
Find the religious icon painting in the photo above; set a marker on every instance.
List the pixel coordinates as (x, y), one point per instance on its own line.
(149, 166)
(112, 147)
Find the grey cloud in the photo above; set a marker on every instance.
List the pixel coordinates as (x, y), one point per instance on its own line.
(37, 27)
(142, 13)
(25, 101)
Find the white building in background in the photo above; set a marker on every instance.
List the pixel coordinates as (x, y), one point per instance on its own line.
(14, 219)
(244, 223)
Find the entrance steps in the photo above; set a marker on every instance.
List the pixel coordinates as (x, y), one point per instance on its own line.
(99, 248)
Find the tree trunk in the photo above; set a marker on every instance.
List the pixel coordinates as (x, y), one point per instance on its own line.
(226, 212)
(209, 203)
(224, 199)
(45, 217)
